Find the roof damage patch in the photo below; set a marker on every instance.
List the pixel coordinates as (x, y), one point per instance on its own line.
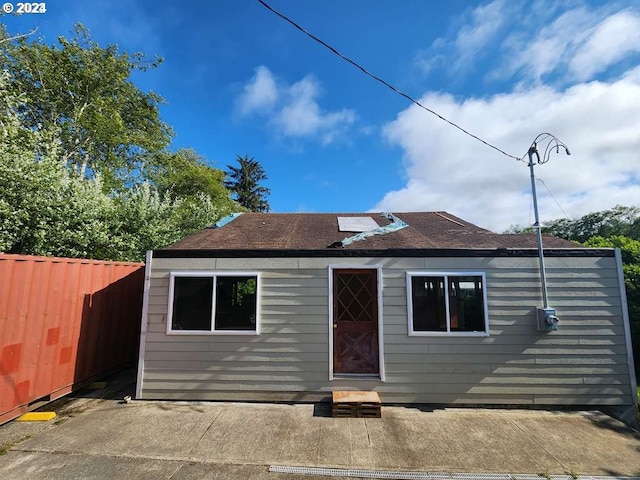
(395, 225)
(223, 221)
(356, 224)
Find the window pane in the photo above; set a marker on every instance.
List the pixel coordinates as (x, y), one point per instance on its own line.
(236, 303)
(192, 303)
(429, 310)
(466, 304)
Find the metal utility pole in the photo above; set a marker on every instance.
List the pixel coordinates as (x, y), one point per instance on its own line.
(547, 319)
(543, 278)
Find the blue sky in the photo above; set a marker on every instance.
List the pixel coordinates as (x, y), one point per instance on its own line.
(239, 80)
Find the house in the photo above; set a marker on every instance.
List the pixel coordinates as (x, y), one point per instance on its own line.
(419, 307)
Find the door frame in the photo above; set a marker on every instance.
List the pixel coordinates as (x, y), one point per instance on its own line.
(378, 269)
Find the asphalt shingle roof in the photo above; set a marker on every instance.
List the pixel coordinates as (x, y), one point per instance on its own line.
(318, 231)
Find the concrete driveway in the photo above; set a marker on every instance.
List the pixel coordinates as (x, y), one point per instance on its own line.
(95, 436)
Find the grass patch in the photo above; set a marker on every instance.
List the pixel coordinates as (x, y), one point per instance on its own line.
(9, 445)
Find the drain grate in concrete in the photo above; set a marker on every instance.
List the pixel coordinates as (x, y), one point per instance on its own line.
(406, 475)
(353, 473)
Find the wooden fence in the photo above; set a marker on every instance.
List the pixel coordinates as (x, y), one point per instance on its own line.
(63, 322)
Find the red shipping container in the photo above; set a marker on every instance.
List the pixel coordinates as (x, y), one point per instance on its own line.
(63, 322)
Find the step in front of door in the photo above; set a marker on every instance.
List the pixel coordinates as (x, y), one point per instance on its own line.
(355, 404)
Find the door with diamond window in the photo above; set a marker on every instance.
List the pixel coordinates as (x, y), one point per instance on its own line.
(355, 322)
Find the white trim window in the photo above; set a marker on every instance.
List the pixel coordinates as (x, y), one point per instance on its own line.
(224, 303)
(447, 303)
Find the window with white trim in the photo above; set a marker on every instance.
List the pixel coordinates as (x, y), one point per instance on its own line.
(213, 302)
(447, 303)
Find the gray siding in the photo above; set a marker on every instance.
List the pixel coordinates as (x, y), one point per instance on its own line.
(583, 363)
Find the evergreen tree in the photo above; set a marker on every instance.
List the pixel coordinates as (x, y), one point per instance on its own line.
(245, 184)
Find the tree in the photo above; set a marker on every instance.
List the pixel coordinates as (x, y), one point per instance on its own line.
(620, 220)
(105, 123)
(244, 183)
(185, 174)
(145, 219)
(47, 208)
(517, 229)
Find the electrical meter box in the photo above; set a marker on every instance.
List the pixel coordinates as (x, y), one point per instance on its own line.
(547, 320)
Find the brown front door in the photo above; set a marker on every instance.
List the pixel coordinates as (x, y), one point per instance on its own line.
(355, 321)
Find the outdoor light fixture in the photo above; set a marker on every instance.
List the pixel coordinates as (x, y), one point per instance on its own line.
(547, 319)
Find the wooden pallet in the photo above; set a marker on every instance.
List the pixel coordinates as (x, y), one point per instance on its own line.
(355, 404)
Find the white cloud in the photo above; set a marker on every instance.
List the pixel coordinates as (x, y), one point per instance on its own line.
(576, 46)
(609, 42)
(485, 26)
(293, 111)
(532, 54)
(259, 94)
(566, 41)
(555, 57)
(301, 115)
(449, 171)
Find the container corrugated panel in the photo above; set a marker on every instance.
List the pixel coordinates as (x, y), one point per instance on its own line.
(63, 322)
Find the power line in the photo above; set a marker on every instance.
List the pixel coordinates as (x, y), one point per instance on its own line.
(385, 83)
(554, 198)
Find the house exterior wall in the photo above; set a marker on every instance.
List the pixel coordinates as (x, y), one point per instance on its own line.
(584, 363)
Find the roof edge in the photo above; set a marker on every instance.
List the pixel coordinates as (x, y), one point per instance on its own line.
(422, 252)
